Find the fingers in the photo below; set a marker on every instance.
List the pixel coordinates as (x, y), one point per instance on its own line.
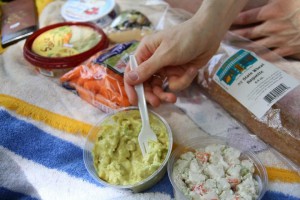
(157, 89)
(271, 56)
(151, 98)
(290, 51)
(258, 14)
(249, 17)
(268, 28)
(177, 83)
(269, 42)
(284, 51)
(168, 97)
(154, 92)
(254, 32)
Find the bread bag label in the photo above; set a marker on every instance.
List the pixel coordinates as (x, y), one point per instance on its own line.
(254, 82)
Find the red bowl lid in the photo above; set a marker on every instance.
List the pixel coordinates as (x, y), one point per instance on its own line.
(67, 61)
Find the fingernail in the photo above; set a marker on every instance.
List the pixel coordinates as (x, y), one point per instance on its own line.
(133, 75)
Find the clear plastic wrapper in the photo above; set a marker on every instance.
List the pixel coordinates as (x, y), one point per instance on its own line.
(279, 125)
(99, 80)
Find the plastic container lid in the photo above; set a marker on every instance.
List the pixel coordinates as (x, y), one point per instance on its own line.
(53, 62)
(86, 10)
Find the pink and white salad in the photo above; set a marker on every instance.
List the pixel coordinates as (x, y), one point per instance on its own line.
(215, 173)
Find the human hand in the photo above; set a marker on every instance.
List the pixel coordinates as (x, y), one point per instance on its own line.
(177, 53)
(173, 55)
(275, 25)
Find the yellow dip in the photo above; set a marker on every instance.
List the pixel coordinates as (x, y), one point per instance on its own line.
(65, 41)
(117, 156)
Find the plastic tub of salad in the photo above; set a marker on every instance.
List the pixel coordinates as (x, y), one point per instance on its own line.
(214, 168)
(112, 154)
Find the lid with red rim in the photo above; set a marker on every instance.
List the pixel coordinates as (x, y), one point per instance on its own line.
(64, 45)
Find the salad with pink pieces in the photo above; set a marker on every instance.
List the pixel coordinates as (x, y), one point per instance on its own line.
(216, 173)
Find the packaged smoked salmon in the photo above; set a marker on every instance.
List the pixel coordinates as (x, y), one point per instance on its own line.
(99, 80)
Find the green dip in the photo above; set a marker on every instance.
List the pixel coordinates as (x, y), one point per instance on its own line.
(117, 156)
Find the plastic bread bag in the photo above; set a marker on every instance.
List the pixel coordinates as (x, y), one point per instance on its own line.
(99, 80)
(262, 95)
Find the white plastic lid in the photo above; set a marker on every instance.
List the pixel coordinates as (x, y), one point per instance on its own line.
(86, 10)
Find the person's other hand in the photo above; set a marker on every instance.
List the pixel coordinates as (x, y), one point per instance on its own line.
(275, 25)
(172, 55)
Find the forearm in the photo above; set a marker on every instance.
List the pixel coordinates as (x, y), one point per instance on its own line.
(217, 15)
(189, 5)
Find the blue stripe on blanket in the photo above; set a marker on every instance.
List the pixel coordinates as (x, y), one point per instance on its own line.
(34, 144)
(10, 195)
(278, 196)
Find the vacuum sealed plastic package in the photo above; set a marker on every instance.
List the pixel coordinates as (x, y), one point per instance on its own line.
(262, 95)
(99, 80)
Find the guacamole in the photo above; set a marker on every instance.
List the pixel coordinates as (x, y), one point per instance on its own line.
(117, 156)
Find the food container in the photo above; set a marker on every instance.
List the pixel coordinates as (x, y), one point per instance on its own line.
(93, 136)
(57, 48)
(260, 174)
(129, 25)
(100, 12)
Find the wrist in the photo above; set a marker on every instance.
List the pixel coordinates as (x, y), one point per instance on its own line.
(216, 16)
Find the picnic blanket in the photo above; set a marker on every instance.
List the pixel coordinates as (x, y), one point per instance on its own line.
(43, 129)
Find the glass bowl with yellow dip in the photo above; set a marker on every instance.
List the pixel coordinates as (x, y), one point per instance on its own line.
(112, 154)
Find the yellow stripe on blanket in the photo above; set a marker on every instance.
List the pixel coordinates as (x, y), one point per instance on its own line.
(283, 175)
(54, 120)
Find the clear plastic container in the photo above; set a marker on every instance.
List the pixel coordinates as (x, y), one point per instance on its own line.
(260, 174)
(140, 186)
